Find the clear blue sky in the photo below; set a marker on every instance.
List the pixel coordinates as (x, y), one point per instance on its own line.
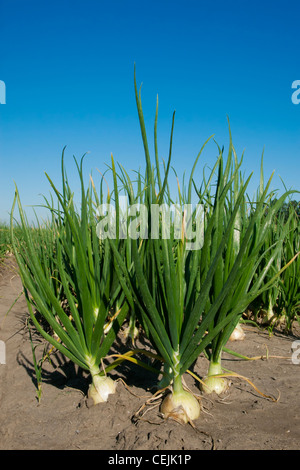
(68, 69)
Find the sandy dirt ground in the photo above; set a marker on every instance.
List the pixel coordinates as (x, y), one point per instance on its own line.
(65, 420)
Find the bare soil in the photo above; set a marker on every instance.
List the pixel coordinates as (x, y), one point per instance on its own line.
(262, 416)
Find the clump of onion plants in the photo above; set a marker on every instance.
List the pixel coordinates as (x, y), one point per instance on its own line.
(75, 269)
(243, 267)
(173, 293)
(279, 306)
(288, 300)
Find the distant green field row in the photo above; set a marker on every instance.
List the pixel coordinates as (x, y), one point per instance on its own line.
(5, 240)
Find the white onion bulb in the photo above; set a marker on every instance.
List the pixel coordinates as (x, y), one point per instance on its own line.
(237, 334)
(181, 406)
(101, 388)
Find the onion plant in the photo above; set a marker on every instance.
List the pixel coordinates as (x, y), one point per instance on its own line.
(82, 268)
(288, 302)
(173, 294)
(242, 269)
(280, 303)
(266, 304)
